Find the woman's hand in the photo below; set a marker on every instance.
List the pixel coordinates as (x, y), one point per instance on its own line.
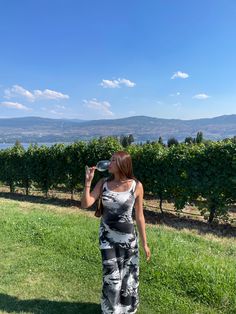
(147, 252)
(89, 174)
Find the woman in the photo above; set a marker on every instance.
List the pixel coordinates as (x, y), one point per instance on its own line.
(117, 237)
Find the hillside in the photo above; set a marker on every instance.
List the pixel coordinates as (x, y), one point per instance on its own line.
(143, 128)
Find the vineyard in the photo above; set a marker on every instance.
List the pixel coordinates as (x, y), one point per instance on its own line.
(198, 174)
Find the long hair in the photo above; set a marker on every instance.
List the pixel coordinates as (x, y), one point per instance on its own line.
(124, 164)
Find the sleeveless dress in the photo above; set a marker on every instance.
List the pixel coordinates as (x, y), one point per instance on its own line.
(119, 249)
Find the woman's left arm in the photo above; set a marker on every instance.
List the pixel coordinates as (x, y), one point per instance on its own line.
(140, 220)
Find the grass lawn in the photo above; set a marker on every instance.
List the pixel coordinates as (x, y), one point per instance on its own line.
(50, 263)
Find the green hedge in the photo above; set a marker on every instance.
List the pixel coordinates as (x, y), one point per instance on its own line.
(181, 174)
(185, 173)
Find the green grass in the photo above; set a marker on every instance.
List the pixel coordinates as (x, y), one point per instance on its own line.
(50, 263)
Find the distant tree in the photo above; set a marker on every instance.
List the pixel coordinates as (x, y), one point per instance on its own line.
(126, 140)
(160, 141)
(172, 141)
(189, 140)
(131, 139)
(199, 137)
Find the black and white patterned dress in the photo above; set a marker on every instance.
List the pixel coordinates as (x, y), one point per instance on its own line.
(119, 248)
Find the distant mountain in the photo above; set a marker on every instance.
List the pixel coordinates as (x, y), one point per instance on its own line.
(36, 129)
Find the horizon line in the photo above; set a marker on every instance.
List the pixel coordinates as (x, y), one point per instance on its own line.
(134, 116)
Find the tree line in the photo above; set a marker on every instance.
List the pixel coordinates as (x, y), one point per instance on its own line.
(204, 175)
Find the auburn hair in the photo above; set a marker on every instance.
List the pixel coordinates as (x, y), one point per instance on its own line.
(124, 164)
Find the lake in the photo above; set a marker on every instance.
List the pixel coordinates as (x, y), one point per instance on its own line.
(26, 145)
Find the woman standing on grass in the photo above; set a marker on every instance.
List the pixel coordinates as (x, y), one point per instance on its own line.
(121, 193)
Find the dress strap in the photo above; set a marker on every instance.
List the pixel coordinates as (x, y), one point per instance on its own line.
(133, 186)
(104, 184)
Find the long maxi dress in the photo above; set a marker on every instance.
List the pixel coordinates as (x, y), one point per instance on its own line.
(119, 249)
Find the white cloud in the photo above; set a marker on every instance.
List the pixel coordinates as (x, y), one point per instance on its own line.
(49, 94)
(110, 84)
(101, 106)
(14, 105)
(19, 91)
(117, 83)
(201, 96)
(179, 74)
(126, 82)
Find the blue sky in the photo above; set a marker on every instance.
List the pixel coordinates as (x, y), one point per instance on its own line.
(112, 59)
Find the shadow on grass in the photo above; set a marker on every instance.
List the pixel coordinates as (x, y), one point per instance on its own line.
(152, 217)
(37, 306)
(38, 199)
(179, 223)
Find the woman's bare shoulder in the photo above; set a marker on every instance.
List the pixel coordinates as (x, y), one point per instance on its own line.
(139, 186)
